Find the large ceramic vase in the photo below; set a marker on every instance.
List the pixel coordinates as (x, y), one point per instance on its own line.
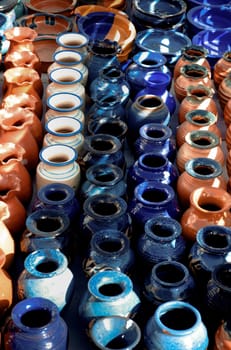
(224, 91)
(222, 336)
(208, 206)
(6, 289)
(35, 322)
(46, 274)
(73, 41)
(175, 324)
(106, 106)
(222, 68)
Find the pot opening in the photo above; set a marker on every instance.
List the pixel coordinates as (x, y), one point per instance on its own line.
(224, 276)
(169, 273)
(199, 92)
(203, 170)
(104, 178)
(179, 318)
(194, 73)
(65, 105)
(154, 195)
(48, 224)
(105, 209)
(64, 130)
(150, 102)
(153, 161)
(113, 129)
(202, 141)
(36, 318)
(47, 266)
(59, 159)
(102, 145)
(155, 134)
(119, 342)
(111, 289)
(68, 59)
(194, 52)
(200, 119)
(215, 239)
(56, 196)
(161, 230)
(210, 206)
(110, 246)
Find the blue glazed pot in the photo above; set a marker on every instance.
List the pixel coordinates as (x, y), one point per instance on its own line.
(46, 274)
(36, 324)
(109, 250)
(103, 179)
(176, 325)
(161, 240)
(115, 332)
(109, 293)
(57, 196)
(150, 199)
(107, 106)
(156, 138)
(151, 166)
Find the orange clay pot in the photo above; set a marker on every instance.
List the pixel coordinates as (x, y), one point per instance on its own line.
(27, 59)
(224, 91)
(197, 119)
(21, 39)
(228, 163)
(6, 287)
(7, 244)
(208, 206)
(223, 337)
(193, 54)
(222, 68)
(227, 113)
(197, 97)
(228, 137)
(199, 172)
(191, 74)
(197, 144)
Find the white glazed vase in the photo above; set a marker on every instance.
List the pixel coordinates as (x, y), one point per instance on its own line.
(73, 41)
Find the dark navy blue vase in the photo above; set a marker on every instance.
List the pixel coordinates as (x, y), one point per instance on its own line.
(106, 106)
(151, 166)
(156, 138)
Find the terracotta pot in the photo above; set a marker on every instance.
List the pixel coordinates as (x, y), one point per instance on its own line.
(228, 163)
(228, 137)
(7, 242)
(197, 97)
(197, 119)
(222, 337)
(13, 170)
(22, 99)
(199, 172)
(27, 59)
(208, 206)
(222, 68)
(193, 54)
(224, 91)
(22, 79)
(18, 118)
(21, 39)
(199, 143)
(6, 289)
(191, 74)
(227, 113)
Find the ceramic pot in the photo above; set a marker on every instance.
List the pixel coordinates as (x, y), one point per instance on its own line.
(66, 80)
(122, 331)
(22, 79)
(57, 196)
(69, 59)
(199, 144)
(146, 109)
(109, 250)
(228, 163)
(155, 137)
(7, 240)
(58, 164)
(208, 206)
(224, 91)
(141, 69)
(152, 198)
(101, 54)
(222, 68)
(198, 119)
(102, 149)
(23, 100)
(6, 289)
(176, 323)
(28, 59)
(193, 54)
(35, 319)
(21, 39)
(155, 242)
(103, 179)
(191, 74)
(73, 41)
(151, 166)
(228, 137)
(14, 173)
(64, 130)
(210, 249)
(46, 274)
(199, 172)
(222, 336)
(197, 97)
(111, 81)
(46, 229)
(109, 293)
(226, 113)
(108, 106)
(169, 280)
(102, 212)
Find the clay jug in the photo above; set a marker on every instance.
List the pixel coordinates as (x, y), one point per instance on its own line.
(7, 244)
(208, 206)
(191, 74)
(23, 59)
(197, 97)
(6, 287)
(227, 113)
(222, 68)
(224, 91)
(21, 39)
(228, 163)
(222, 336)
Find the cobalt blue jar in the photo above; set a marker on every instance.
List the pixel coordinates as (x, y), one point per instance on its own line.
(106, 106)
(156, 138)
(151, 166)
(152, 198)
(36, 324)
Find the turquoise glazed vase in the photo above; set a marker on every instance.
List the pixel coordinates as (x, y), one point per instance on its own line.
(176, 325)
(36, 324)
(46, 274)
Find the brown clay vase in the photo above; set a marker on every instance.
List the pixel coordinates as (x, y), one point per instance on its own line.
(223, 337)
(201, 143)
(208, 206)
(7, 243)
(191, 74)
(13, 170)
(18, 118)
(224, 91)
(21, 39)
(199, 172)
(197, 97)
(27, 59)
(222, 68)
(198, 119)
(228, 137)
(6, 287)
(227, 113)
(193, 54)
(22, 79)
(228, 163)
